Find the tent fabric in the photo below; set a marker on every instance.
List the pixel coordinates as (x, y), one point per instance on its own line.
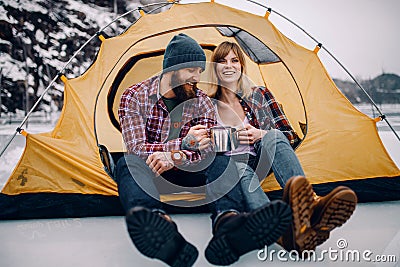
(254, 48)
(340, 144)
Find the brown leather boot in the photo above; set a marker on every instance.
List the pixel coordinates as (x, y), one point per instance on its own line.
(298, 194)
(332, 211)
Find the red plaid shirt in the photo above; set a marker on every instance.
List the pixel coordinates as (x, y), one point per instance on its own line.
(145, 120)
(263, 112)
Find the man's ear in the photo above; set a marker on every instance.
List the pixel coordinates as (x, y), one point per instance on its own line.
(166, 77)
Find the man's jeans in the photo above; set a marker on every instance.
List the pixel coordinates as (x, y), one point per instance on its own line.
(137, 184)
(273, 152)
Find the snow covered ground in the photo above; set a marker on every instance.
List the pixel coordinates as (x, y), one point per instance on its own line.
(372, 233)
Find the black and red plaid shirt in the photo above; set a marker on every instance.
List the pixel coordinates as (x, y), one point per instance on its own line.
(263, 112)
(145, 120)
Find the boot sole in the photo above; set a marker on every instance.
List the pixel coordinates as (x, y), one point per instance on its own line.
(153, 236)
(298, 193)
(335, 213)
(261, 228)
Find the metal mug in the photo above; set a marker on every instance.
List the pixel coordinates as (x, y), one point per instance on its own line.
(224, 138)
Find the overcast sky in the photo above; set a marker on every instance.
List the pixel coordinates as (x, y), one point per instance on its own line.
(363, 35)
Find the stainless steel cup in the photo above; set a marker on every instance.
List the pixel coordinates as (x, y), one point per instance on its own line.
(224, 138)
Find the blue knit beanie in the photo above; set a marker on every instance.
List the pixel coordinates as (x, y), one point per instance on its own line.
(183, 52)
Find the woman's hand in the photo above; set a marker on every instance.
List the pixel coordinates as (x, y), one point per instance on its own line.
(249, 135)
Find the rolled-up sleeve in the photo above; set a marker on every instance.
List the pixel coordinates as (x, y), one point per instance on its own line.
(279, 119)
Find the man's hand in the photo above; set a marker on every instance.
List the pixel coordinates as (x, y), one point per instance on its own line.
(204, 143)
(249, 135)
(199, 131)
(197, 138)
(160, 162)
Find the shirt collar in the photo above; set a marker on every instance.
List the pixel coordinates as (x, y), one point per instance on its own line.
(154, 89)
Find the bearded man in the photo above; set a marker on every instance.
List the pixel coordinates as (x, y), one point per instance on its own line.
(165, 121)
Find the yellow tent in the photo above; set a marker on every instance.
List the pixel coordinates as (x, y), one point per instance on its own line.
(62, 172)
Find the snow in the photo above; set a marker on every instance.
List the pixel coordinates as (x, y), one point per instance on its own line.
(5, 42)
(59, 87)
(57, 35)
(31, 6)
(30, 63)
(45, 97)
(10, 159)
(392, 145)
(4, 16)
(48, 57)
(39, 35)
(45, 107)
(70, 31)
(99, 15)
(31, 79)
(29, 26)
(77, 21)
(71, 25)
(104, 241)
(12, 68)
(24, 39)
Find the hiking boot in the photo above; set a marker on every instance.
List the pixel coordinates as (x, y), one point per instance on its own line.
(235, 234)
(332, 211)
(155, 235)
(298, 194)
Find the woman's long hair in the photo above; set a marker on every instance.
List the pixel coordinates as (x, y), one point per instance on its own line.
(220, 52)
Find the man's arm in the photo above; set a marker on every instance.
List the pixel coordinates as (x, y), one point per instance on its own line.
(133, 126)
(206, 120)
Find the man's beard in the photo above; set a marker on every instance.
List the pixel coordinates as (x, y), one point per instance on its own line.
(182, 89)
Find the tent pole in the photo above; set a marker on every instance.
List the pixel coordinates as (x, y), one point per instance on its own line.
(381, 115)
(19, 128)
(8, 143)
